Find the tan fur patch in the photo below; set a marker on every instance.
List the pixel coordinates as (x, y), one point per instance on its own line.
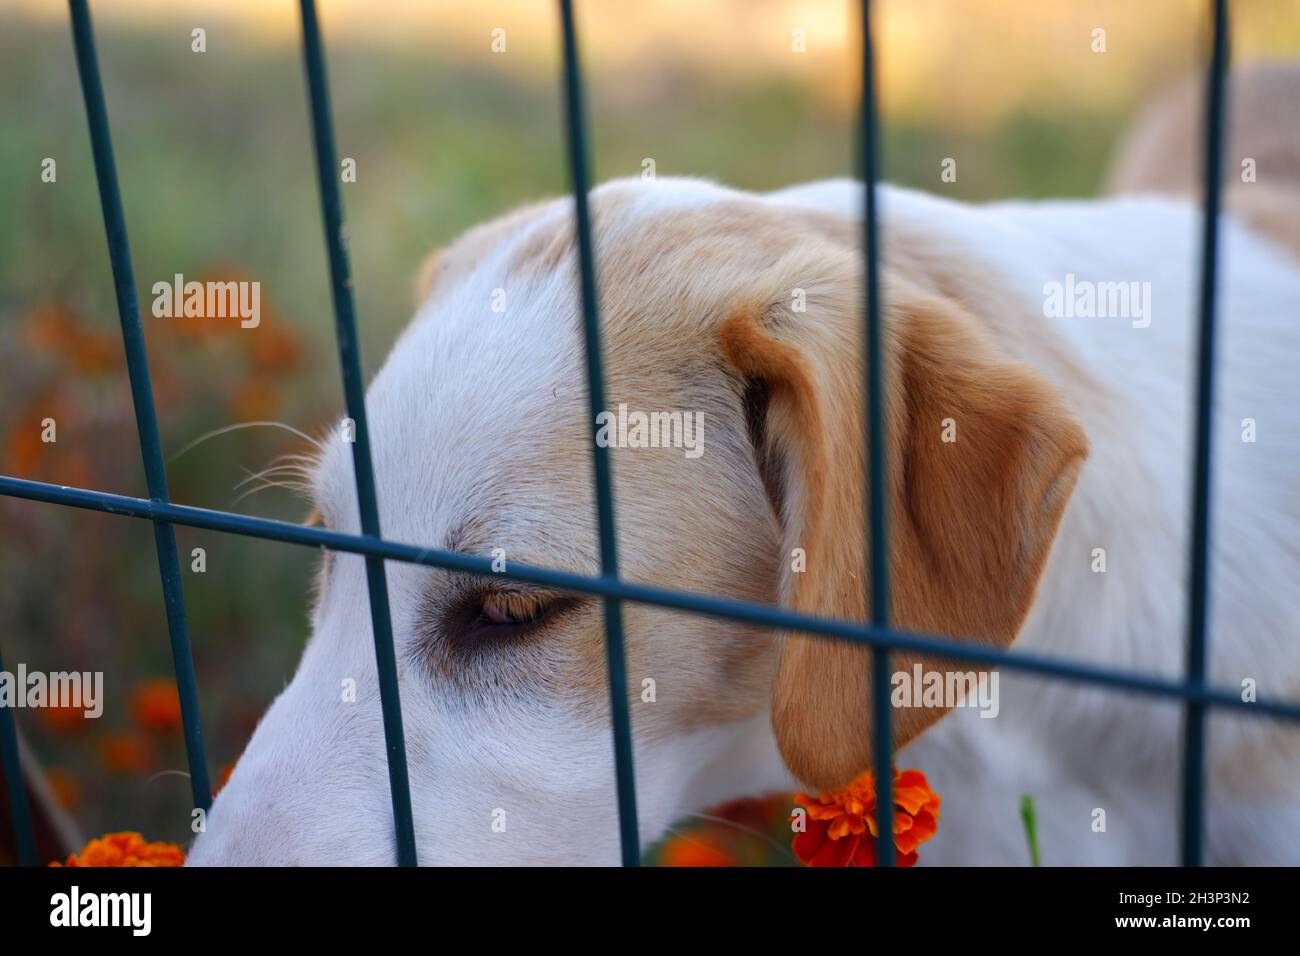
(971, 522)
(445, 267)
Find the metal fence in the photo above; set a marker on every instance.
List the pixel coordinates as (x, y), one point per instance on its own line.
(158, 508)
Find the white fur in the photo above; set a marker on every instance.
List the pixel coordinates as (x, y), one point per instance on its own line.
(462, 394)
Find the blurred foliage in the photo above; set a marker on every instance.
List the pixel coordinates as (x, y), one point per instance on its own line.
(213, 152)
(749, 831)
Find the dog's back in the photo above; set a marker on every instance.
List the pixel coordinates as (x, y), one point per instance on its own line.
(1162, 151)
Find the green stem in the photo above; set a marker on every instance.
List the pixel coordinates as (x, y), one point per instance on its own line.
(1031, 828)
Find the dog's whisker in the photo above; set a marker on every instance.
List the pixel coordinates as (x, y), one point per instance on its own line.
(270, 481)
(291, 471)
(169, 773)
(300, 489)
(316, 443)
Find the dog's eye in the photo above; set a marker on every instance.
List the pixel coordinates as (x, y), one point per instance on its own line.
(487, 616)
(504, 610)
(495, 616)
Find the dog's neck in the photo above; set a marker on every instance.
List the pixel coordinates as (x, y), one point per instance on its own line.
(749, 764)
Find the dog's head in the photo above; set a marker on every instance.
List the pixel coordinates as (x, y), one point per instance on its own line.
(741, 320)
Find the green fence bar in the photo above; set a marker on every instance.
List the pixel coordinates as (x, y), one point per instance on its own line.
(146, 416)
(873, 393)
(1193, 806)
(354, 391)
(616, 665)
(19, 810)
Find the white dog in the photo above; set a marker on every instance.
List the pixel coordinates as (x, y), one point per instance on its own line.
(1039, 403)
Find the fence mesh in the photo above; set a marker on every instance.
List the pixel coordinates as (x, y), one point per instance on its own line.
(164, 514)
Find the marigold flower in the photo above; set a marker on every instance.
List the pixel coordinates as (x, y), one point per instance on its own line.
(63, 719)
(695, 849)
(126, 752)
(223, 778)
(64, 786)
(26, 453)
(254, 400)
(205, 328)
(23, 449)
(155, 705)
(841, 824)
(52, 327)
(755, 813)
(58, 329)
(125, 849)
(273, 348)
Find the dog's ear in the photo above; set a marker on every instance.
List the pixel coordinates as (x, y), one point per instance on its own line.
(982, 459)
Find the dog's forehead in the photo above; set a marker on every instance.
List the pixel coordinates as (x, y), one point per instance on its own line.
(479, 415)
(466, 419)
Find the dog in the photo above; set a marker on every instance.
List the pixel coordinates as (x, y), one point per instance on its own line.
(1039, 403)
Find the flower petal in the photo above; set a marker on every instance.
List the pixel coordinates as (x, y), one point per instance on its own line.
(807, 844)
(836, 852)
(866, 854)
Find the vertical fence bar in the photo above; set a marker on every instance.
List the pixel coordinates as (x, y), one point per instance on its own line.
(1193, 809)
(146, 416)
(616, 664)
(873, 396)
(19, 810)
(345, 329)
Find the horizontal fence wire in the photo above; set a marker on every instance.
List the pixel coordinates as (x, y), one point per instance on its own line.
(146, 414)
(354, 391)
(1193, 805)
(875, 438)
(164, 514)
(763, 615)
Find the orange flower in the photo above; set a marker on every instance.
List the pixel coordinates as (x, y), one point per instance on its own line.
(254, 400)
(694, 849)
(156, 706)
(23, 449)
(126, 753)
(58, 329)
(64, 719)
(126, 849)
(223, 778)
(205, 328)
(197, 327)
(64, 786)
(273, 348)
(26, 453)
(755, 812)
(841, 825)
(52, 327)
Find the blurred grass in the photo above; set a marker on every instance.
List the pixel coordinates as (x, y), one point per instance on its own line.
(214, 156)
